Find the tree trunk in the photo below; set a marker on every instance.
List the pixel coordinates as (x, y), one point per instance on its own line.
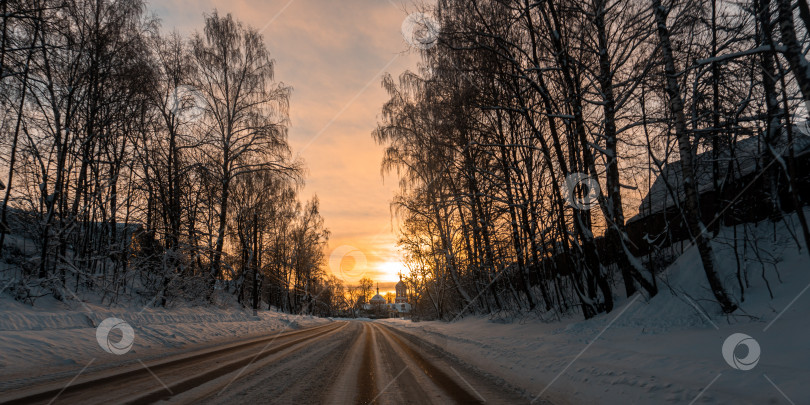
(694, 221)
(793, 50)
(773, 126)
(617, 233)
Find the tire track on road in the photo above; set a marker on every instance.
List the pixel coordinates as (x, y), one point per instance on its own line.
(302, 374)
(137, 385)
(367, 373)
(485, 387)
(439, 379)
(401, 384)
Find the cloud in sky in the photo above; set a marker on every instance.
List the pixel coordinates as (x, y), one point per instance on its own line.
(332, 54)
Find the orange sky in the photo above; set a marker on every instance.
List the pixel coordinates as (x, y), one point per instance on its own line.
(333, 54)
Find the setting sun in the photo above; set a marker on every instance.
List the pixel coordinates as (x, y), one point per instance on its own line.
(389, 271)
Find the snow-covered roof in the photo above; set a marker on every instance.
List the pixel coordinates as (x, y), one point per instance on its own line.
(378, 298)
(748, 153)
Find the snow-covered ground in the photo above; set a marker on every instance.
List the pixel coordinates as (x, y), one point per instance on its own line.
(664, 350)
(50, 341)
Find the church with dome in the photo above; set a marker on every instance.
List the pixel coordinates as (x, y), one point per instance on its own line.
(400, 304)
(399, 308)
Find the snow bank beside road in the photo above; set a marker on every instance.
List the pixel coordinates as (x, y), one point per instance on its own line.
(665, 350)
(38, 343)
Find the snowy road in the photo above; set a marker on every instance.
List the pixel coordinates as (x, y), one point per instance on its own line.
(342, 362)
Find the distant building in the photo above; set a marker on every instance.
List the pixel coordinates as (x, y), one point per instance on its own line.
(377, 300)
(659, 221)
(400, 306)
(379, 306)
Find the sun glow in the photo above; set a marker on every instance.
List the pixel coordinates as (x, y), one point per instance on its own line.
(389, 271)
